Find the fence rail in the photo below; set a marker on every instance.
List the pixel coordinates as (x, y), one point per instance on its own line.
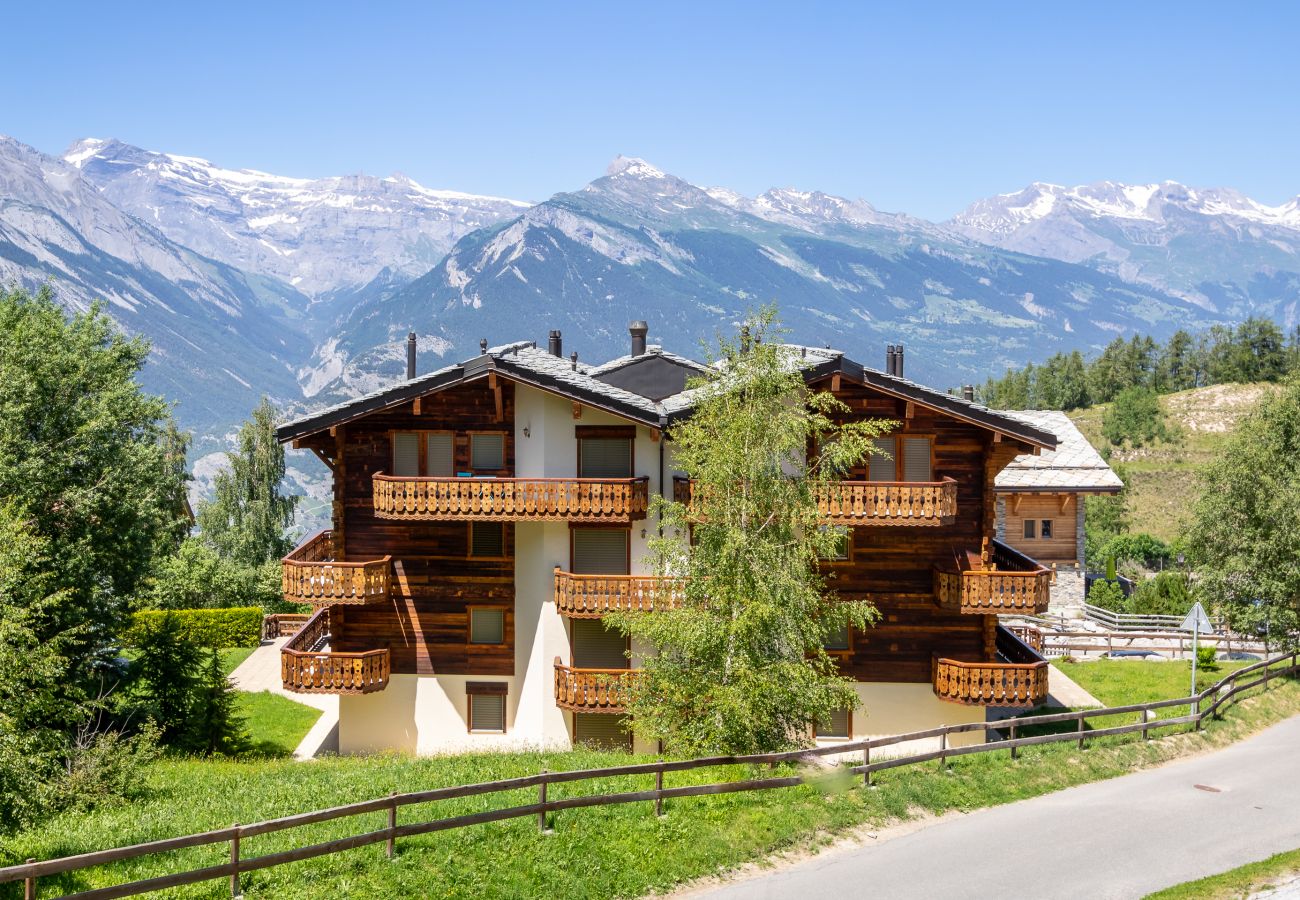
(1207, 703)
(1126, 621)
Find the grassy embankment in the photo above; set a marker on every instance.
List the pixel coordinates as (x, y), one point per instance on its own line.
(601, 852)
(1237, 883)
(1163, 483)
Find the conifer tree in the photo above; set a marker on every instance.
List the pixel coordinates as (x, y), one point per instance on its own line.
(215, 724)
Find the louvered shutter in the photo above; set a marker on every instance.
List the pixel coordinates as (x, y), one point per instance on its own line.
(839, 639)
(487, 626)
(600, 551)
(487, 712)
(601, 731)
(605, 458)
(916, 459)
(406, 454)
(882, 468)
(487, 539)
(596, 646)
(837, 727)
(438, 454)
(487, 451)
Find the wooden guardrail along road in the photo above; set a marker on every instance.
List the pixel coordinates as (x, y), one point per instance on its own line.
(1207, 703)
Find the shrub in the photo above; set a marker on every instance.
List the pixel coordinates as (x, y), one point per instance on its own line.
(195, 577)
(104, 767)
(238, 627)
(1165, 594)
(1207, 658)
(1143, 548)
(1108, 595)
(1135, 417)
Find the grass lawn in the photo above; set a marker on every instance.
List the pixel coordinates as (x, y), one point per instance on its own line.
(600, 852)
(231, 657)
(276, 725)
(1123, 682)
(1235, 883)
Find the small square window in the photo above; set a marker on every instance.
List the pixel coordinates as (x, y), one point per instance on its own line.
(487, 451)
(1029, 529)
(487, 539)
(838, 640)
(839, 726)
(843, 541)
(487, 625)
(1045, 529)
(487, 712)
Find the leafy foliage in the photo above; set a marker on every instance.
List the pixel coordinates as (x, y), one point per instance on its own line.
(1141, 548)
(164, 674)
(246, 520)
(1135, 419)
(1163, 594)
(741, 666)
(196, 577)
(1245, 535)
(215, 628)
(1108, 595)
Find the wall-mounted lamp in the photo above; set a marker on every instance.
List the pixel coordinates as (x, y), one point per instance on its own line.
(528, 432)
(643, 534)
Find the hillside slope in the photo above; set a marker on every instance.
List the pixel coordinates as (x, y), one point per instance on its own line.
(1163, 480)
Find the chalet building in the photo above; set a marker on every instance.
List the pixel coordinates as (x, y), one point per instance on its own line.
(487, 515)
(1040, 501)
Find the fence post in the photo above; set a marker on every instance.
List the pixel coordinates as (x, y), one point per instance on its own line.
(541, 798)
(943, 750)
(29, 885)
(1146, 725)
(659, 789)
(1014, 748)
(392, 825)
(1080, 732)
(234, 861)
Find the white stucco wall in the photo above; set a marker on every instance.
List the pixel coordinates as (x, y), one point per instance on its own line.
(895, 708)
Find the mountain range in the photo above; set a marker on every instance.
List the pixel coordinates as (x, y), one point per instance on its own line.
(249, 283)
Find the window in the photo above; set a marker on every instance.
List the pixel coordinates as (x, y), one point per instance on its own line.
(601, 730)
(880, 465)
(1029, 529)
(916, 459)
(1045, 529)
(487, 539)
(434, 448)
(600, 551)
(487, 451)
(843, 542)
(487, 625)
(597, 646)
(839, 726)
(487, 706)
(604, 458)
(838, 640)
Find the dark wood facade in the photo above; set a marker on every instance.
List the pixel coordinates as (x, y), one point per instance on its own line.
(435, 580)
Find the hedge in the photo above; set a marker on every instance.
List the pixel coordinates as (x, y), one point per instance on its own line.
(236, 627)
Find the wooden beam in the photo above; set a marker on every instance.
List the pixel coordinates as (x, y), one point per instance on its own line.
(334, 431)
(654, 435)
(909, 410)
(577, 410)
(496, 394)
(835, 383)
(320, 454)
(1066, 500)
(415, 406)
(1015, 503)
(997, 437)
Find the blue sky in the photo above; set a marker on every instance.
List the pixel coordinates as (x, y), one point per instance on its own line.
(915, 107)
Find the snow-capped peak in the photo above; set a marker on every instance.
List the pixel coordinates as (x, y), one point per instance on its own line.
(633, 167)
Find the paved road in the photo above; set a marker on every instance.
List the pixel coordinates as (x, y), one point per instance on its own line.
(1121, 838)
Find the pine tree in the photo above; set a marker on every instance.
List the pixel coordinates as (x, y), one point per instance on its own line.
(215, 724)
(248, 515)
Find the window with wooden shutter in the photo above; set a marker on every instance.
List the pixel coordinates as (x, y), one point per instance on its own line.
(604, 458)
(597, 646)
(487, 707)
(487, 625)
(600, 551)
(487, 539)
(406, 454)
(838, 639)
(1029, 529)
(839, 725)
(439, 454)
(602, 731)
(916, 459)
(880, 464)
(487, 451)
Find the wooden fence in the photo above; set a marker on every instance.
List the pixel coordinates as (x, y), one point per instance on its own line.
(1207, 703)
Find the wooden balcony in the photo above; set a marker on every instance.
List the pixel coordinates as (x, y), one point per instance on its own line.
(874, 502)
(307, 666)
(590, 690)
(592, 596)
(1017, 678)
(1014, 584)
(310, 574)
(614, 500)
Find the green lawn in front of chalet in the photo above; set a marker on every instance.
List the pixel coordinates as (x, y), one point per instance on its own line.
(600, 852)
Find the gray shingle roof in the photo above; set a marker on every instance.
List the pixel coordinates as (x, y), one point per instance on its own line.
(1075, 465)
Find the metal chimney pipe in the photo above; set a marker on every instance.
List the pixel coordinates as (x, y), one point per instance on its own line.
(410, 355)
(968, 393)
(638, 330)
(898, 361)
(554, 345)
(573, 360)
(889, 359)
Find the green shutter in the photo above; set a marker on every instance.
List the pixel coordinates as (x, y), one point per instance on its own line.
(600, 551)
(837, 727)
(438, 455)
(487, 451)
(596, 646)
(605, 458)
(916, 459)
(882, 468)
(603, 731)
(487, 539)
(487, 626)
(406, 454)
(487, 712)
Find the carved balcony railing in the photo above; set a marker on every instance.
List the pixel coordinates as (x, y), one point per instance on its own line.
(592, 596)
(1017, 678)
(874, 502)
(307, 666)
(617, 500)
(1014, 584)
(310, 574)
(591, 690)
